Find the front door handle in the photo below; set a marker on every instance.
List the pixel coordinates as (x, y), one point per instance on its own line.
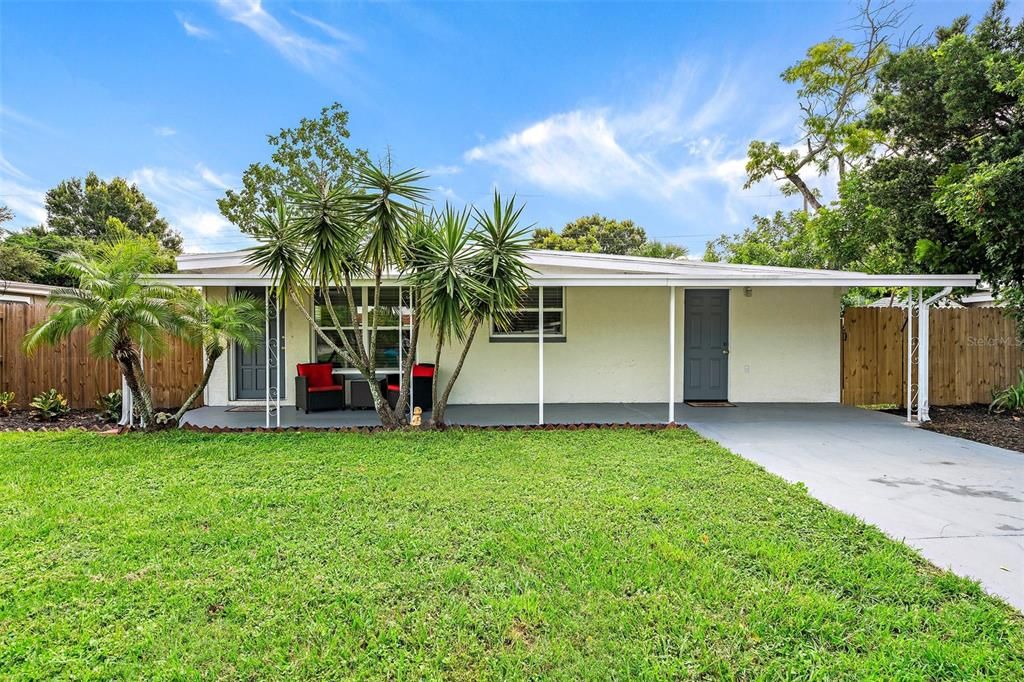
(725, 350)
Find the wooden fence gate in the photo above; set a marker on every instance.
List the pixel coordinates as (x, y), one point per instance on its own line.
(79, 376)
(972, 351)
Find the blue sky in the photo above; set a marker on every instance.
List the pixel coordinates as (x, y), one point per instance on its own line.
(639, 111)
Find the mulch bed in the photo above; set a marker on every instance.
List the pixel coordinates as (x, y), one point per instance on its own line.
(975, 422)
(21, 419)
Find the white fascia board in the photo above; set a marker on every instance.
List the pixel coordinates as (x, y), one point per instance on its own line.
(616, 264)
(200, 261)
(185, 279)
(705, 280)
(761, 280)
(238, 279)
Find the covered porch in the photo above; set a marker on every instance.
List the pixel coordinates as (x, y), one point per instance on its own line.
(520, 414)
(598, 339)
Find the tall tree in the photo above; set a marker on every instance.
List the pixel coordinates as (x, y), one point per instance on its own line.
(598, 234)
(949, 190)
(17, 263)
(315, 148)
(82, 209)
(470, 276)
(784, 239)
(327, 236)
(123, 312)
(833, 82)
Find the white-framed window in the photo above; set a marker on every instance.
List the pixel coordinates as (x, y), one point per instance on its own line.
(524, 322)
(393, 316)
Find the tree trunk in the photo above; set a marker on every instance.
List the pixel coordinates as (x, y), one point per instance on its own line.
(127, 359)
(387, 416)
(437, 374)
(146, 411)
(441, 406)
(808, 195)
(211, 360)
(414, 337)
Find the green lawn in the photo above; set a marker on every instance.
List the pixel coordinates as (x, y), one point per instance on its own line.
(583, 554)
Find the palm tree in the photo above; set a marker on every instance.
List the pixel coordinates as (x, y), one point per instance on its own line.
(469, 277)
(213, 326)
(329, 235)
(123, 312)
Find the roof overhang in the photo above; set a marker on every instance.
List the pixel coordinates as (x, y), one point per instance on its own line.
(709, 280)
(759, 280)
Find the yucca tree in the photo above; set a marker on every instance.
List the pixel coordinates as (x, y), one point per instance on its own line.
(123, 312)
(469, 276)
(332, 235)
(213, 326)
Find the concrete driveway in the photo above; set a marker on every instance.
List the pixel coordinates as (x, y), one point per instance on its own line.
(960, 503)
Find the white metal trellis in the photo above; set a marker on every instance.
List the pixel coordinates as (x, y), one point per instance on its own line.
(272, 359)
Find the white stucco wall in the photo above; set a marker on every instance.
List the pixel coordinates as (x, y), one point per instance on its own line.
(220, 390)
(616, 350)
(784, 347)
(217, 389)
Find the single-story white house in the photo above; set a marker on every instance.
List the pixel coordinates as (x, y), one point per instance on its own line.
(617, 329)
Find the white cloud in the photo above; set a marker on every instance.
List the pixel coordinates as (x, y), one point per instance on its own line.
(8, 168)
(164, 131)
(444, 170)
(27, 202)
(20, 119)
(188, 199)
(329, 30)
(301, 50)
(450, 195)
(211, 178)
(674, 149)
(192, 29)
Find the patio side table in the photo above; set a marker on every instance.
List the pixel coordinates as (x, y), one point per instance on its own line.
(359, 397)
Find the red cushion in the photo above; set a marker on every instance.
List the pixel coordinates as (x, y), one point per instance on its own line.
(422, 371)
(323, 389)
(318, 374)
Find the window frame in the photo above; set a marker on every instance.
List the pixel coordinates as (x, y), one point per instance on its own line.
(496, 336)
(362, 312)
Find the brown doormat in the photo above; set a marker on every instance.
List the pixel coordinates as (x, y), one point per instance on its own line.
(247, 408)
(710, 403)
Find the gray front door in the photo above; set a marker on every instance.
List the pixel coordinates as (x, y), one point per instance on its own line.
(251, 364)
(706, 345)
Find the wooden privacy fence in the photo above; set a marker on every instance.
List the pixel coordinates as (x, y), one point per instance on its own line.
(971, 352)
(78, 375)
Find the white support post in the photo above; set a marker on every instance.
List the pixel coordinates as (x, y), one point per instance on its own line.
(412, 361)
(126, 404)
(910, 352)
(266, 355)
(540, 355)
(924, 334)
(922, 357)
(672, 355)
(401, 342)
(277, 363)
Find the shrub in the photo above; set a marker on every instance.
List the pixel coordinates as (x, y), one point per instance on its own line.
(1010, 399)
(6, 402)
(49, 405)
(110, 406)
